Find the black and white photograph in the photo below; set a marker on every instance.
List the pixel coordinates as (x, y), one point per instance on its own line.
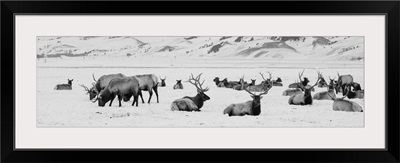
(200, 81)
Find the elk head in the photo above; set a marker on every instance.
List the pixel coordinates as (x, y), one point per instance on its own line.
(178, 81)
(306, 88)
(278, 80)
(163, 81)
(70, 81)
(253, 81)
(92, 93)
(305, 80)
(198, 85)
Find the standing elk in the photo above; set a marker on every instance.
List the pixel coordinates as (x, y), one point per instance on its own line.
(124, 88)
(148, 82)
(264, 85)
(64, 86)
(303, 98)
(192, 103)
(102, 83)
(344, 83)
(252, 107)
(163, 82)
(178, 84)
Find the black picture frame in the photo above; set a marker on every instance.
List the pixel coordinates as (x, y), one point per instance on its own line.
(389, 8)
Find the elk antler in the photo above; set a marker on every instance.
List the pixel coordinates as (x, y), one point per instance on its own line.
(197, 83)
(301, 81)
(84, 87)
(319, 78)
(94, 78)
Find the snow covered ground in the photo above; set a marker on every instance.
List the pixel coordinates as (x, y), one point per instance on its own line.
(72, 108)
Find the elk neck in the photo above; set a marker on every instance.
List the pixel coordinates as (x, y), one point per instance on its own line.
(198, 100)
(307, 96)
(256, 107)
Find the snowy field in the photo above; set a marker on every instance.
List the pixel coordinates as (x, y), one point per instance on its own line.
(72, 108)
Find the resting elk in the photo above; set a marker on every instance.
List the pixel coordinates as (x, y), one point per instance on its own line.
(291, 91)
(229, 84)
(326, 95)
(148, 82)
(252, 107)
(178, 84)
(64, 86)
(124, 88)
(242, 85)
(303, 98)
(322, 83)
(192, 103)
(217, 81)
(340, 104)
(277, 82)
(264, 85)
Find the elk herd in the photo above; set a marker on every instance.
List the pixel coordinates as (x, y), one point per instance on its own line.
(106, 88)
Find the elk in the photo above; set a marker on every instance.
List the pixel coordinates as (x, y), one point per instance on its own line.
(217, 81)
(278, 82)
(192, 103)
(252, 107)
(291, 91)
(178, 84)
(124, 88)
(326, 95)
(296, 84)
(303, 98)
(148, 82)
(344, 82)
(229, 84)
(64, 86)
(103, 81)
(322, 83)
(242, 85)
(264, 85)
(355, 94)
(340, 104)
(163, 81)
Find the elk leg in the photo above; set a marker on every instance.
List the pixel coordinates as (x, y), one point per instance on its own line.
(136, 99)
(151, 94)
(156, 91)
(119, 100)
(112, 99)
(141, 95)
